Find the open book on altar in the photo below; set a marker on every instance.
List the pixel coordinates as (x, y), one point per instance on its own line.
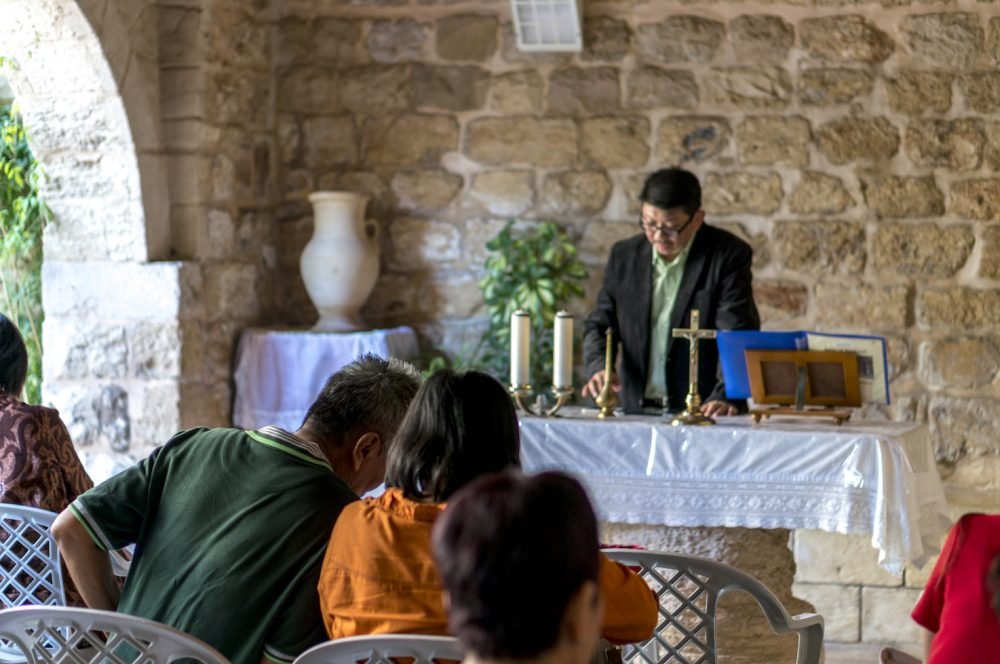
(872, 364)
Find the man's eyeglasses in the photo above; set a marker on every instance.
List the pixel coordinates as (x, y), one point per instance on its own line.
(668, 231)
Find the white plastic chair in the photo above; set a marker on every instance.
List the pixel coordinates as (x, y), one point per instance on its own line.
(688, 589)
(30, 569)
(383, 649)
(47, 634)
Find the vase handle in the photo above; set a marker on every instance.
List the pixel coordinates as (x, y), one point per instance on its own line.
(371, 229)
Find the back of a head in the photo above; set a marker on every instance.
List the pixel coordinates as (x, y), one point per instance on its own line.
(369, 394)
(513, 550)
(461, 425)
(670, 188)
(13, 358)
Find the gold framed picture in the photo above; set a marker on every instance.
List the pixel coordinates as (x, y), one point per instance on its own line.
(804, 377)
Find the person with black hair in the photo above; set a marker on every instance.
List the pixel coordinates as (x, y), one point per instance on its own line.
(378, 575)
(230, 526)
(507, 537)
(40, 466)
(652, 282)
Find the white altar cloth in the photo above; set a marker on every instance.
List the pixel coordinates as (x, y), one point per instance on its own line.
(279, 373)
(877, 479)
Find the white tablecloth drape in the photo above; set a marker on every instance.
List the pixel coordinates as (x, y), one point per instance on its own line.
(279, 373)
(875, 479)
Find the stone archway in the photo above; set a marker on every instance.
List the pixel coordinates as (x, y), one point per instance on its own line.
(86, 78)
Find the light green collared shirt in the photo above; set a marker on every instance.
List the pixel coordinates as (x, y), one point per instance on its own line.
(666, 282)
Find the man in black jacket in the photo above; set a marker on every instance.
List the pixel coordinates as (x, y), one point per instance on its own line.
(652, 282)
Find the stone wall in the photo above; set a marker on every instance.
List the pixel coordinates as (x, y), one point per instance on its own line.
(852, 143)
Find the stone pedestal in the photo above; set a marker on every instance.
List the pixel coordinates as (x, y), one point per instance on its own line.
(744, 636)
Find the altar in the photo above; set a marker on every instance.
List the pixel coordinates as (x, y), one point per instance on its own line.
(734, 491)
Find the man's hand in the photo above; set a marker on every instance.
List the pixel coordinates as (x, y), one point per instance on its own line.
(596, 384)
(717, 408)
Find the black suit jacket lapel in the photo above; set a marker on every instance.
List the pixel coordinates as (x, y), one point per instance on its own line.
(644, 296)
(693, 268)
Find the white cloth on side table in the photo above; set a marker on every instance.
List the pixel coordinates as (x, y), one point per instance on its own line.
(279, 373)
(876, 479)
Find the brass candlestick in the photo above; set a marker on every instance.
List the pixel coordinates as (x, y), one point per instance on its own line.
(692, 415)
(562, 395)
(607, 399)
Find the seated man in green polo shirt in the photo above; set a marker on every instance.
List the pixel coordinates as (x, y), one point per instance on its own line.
(230, 526)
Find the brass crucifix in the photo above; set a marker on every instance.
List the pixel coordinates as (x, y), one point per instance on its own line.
(693, 413)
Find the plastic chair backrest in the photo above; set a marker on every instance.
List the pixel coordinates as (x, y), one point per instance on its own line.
(689, 589)
(30, 569)
(48, 634)
(384, 649)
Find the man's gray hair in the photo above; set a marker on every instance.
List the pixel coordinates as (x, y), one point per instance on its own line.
(369, 394)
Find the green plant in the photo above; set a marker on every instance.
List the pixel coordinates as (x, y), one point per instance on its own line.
(23, 216)
(537, 271)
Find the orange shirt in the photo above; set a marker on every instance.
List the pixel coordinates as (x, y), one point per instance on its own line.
(378, 576)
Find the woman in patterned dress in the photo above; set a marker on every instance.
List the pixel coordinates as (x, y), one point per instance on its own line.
(38, 465)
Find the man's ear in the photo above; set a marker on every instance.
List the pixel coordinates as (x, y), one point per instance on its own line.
(366, 446)
(584, 614)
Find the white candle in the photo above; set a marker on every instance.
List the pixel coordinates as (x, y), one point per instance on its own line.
(562, 360)
(520, 348)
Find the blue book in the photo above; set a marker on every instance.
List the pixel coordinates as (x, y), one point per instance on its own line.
(872, 363)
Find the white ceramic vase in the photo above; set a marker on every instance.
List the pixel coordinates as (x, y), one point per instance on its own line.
(340, 263)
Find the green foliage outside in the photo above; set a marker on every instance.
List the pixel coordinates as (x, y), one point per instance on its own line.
(23, 215)
(537, 271)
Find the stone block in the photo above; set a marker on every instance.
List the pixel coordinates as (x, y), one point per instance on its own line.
(310, 89)
(918, 92)
(885, 616)
(329, 141)
(179, 30)
(236, 38)
(231, 291)
(511, 52)
(450, 87)
(991, 149)
(452, 297)
(981, 90)
(605, 39)
(683, 139)
(504, 193)
(845, 38)
(425, 190)
(950, 40)
(621, 142)
(780, 300)
(989, 258)
(953, 144)
(921, 250)
(960, 307)
(830, 86)
(742, 193)
(822, 557)
(864, 306)
(917, 577)
(819, 193)
(477, 232)
(517, 92)
(575, 192)
(415, 138)
(600, 236)
(840, 607)
(903, 197)
(112, 291)
(397, 40)
(681, 39)
(584, 91)
(394, 298)
(78, 349)
(773, 140)
(760, 243)
(975, 199)
(546, 142)
(205, 405)
(154, 351)
(651, 87)
(858, 139)
(467, 37)
(761, 38)
(335, 41)
(748, 88)
(373, 90)
(821, 247)
(960, 362)
(420, 244)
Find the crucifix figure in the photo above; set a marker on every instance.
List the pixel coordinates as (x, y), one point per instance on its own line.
(693, 334)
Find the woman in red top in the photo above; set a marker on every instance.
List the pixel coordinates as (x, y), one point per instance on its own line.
(956, 605)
